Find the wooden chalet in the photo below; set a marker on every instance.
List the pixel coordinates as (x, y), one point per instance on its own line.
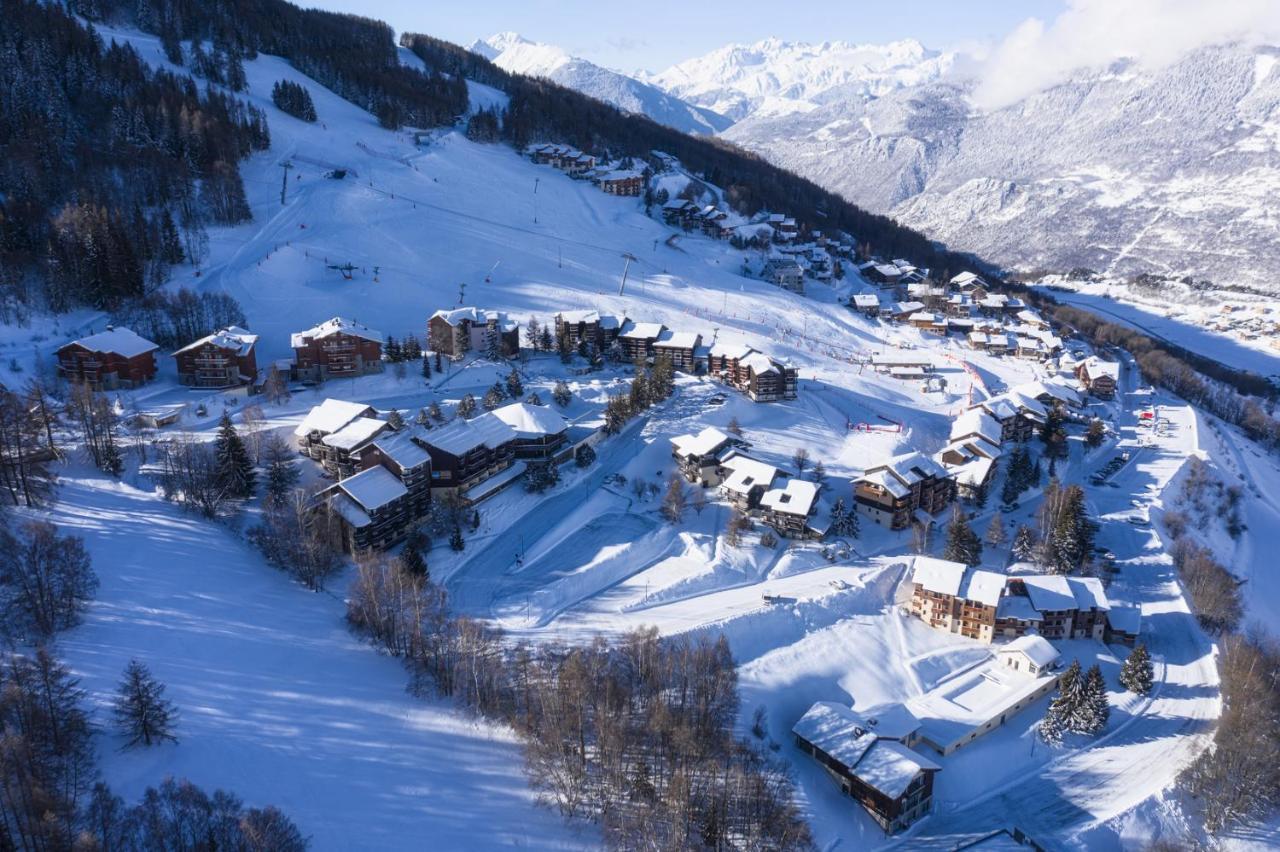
(116, 358)
(456, 332)
(753, 373)
(893, 492)
(637, 339)
(1019, 415)
(744, 480)
(952, 598)
(867, 304)
(467, 452)
(223, 359)
(403, 454)
(677, 210)
(325, 419)
(893, 783)
(372, 510)
(597, 330)
(678, 346)
(790, 508)
(336, 348)
(784, 272)
(1099, 377)
(700, 457)
(540, 433)
(622, 182)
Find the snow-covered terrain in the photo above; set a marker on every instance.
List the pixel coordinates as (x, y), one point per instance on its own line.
(514, 53)
(280, 703)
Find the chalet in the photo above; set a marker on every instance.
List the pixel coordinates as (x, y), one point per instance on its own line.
(699, 457)
(959, 305)
(783, 272)
(541, 153)
(992, 304)
(745, 480)
(790, 507)
(1017, 414)
(677, 210)
(928, 321)
(109, 360)
(637, 339)
(890, 781)
(763, 379)
(978, 427)
(1123, 625)
(977, 340)
(323, 420)
(540, 433)
(1069, 607)
(867, 304)
(1051, 393)
(404, 455)
(1028, 347)
(725, 358)
(622, 182)
(372, 509)
(467, 452)
(340, 450)
(953, 598)
(336, 348)
(1099, 377)
(456, 332)
(971, 285)
(709, 220)
(891, 493)
(999, 343)
(679, 347)
(223, 359)
(597, 330)
(784, 227)
(902, 311)
(1031, 318)
(901, 363)
(882, 273)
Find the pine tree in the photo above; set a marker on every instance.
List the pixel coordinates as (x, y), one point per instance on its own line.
(411, 349)
(963, 544)
(560, 393)
(534, 399)
(170, 239)
(1064, 705)
(1096, 434)
(145, 716)
(584, 456)
(466, 406)
(1137, 673)
(819, 472)
(456, 541)
(282, 473)
(1024, 544)
(412, 558)
(234, 467)
(533, 332)
(844, 522)
(426, 365)
(422, 418)
(392, 350)
(493, 346)
(1051, 728)
(1092, 710)
(439, 363)
(395, 420)
(546, 340)
(493, 397)
(434, 412)
(515, 388)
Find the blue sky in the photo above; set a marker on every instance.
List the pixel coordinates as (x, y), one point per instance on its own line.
(654, 34)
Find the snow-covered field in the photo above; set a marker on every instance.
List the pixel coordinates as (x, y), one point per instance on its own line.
(282, 704)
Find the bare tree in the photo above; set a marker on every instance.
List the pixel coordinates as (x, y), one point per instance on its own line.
(46, 580)
(800, 458)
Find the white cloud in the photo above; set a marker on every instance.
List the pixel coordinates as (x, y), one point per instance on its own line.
(1095, 33)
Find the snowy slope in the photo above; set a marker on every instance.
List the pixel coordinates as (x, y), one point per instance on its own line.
(519, 55)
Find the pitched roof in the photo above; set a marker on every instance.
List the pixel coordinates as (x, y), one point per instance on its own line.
(401, 447)
(1018, 608)
(938, 575)
(984, 587)
(708, 441)
(1089, 593)
(119, 341)
(355, 433)
(890, 767)
(337, 325)
(530, 421)
(747, 473)
(1049, 592)
(836, 730)
(231, 337)
(330, 416)
(373, 488)
(678, 339)
(1037, 649)
(975, 421)
(461, 436)
(641, 330)
(795, 498)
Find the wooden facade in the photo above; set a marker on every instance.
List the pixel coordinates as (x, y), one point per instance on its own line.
(337, 348)
(224, 359)
(111, 360)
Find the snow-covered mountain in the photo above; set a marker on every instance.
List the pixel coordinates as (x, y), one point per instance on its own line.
(1120, 169)
(774, 77)
(514, 53)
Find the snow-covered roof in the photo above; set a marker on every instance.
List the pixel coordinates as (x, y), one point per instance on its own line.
(605, 320)
(890, 767)
(965, 278)
(231, 337)
(401, 448)
(938, 575)
(373, 488)
(1017, 608)
(910, 467)
(641, 330)
(903, 358)
(622, 174)
(888, 270)
(759, 363)
(354, 434)
(866, 300)
(706, 442)
(461, 435)
(1036, 648)
(730, 349)
(890, 721)
(530, 421)
(984, 587)
(961, 705)
(474, 315)
(1089, 593)
(1051, 388)
(337, 325)
(120, 341)
(887, 481)
(795, 498)
(330, 416)
(900, 308)
(747, 473)
(836, 730)
(349, 510)
(973, 472)
(1095, 367)
(975, 421)
(1049, 592)
(678, 339)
